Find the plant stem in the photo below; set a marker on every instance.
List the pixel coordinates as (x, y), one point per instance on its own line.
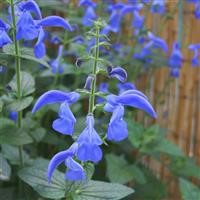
(93, 88)
(18, 75)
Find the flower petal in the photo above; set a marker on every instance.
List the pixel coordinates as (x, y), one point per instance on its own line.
(26, 27)
(55, 21)
(137, 101)
(89, 152)
(32, 7)
(57, 160)
(75, 171)
(118, 73)
(55, 96)
(39, 48)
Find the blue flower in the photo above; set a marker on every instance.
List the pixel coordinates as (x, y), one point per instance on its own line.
(118, 73)
(87, 3)
(4, 38)
(89, 16)
(195, 60)
(157, 42)
(29, 28)
(55, 96)
(89, 142)
(56, 63)
(117, 129)
(158, 6)
(175, 60)
(138, 20)
(122, 87)
(75, 171)
(30, 6)
(65, 123)
(26, 27)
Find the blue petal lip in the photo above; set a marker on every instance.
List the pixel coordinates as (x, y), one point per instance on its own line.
(55, 21)
(137, 101)
(55, 96)
(4, 25)
(32, 7)
(134, 91)
(40, 49)
(57, 160)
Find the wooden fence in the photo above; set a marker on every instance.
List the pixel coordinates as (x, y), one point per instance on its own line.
(179, 111)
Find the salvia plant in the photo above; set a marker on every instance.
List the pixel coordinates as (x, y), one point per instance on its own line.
(67, 95)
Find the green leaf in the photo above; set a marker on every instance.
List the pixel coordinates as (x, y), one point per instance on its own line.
(97, 190)
(14, 136)
(166, 146)
(20, 104)
(5, 169)
(152, 189)
(184, 166)
(27, 84)
(189, 190)
(11, 153)
(135, 133)
(38, 134)
(118, 165)
(25, 53)
(36, 177)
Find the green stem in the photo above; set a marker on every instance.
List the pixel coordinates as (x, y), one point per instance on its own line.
(93, 88)
(18, 74)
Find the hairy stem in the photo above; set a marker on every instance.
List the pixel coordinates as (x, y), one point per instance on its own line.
(18, 75)
(93, 88)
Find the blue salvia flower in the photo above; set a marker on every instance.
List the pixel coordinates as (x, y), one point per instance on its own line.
(4, 38)
(90, 15)
(114, 21)
(56, 63)
(117, 72)
(127, 8)
(29, 28)
(122, 87)
(66, 121)
(138, 21)
(75, 171)
(117, 129)
(195, 60)
(89, 142)
(175, 60)
(157, 42)
(158, 6)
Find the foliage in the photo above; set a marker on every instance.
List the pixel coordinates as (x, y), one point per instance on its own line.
(86, 62)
